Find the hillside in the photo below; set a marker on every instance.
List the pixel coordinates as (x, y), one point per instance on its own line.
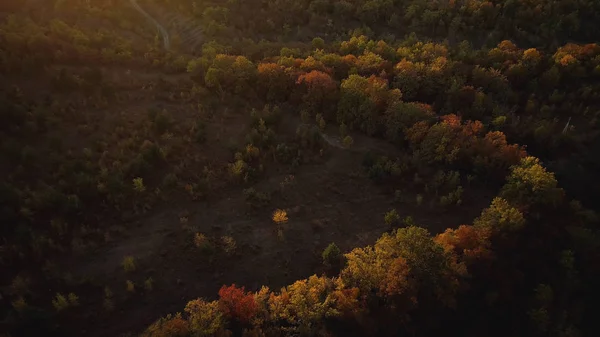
(299, 168)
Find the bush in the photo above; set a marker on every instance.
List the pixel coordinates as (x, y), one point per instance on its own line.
(331, 255)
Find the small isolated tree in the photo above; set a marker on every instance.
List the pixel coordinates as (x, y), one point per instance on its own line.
(129, 264)
(331, 255)
(348, 141)
(280, 216)
(391, 218)
(318, 43)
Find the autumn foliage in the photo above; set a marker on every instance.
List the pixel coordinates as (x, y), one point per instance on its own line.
(237, 304)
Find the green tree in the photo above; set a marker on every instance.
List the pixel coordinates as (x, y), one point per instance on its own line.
(331, 255)
(318, 43)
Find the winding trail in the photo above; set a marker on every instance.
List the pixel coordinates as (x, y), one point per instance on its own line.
(161, 29)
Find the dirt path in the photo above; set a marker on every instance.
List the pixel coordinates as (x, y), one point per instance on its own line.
(161, 29)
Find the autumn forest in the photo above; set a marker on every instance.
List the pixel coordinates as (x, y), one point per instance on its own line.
(257, 168)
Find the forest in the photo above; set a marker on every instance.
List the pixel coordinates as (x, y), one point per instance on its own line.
(324, 168)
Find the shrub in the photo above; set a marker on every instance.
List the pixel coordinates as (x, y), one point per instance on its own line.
(73, 300)
(19, 304)
(391, 218)
(149, 284)
(202, 243)
(419, 199)
(129, 264)
(229, 244)
(130, 286)
(138, 185)
(238, 168)
(321, 122)
(60, 302)
(108, 303)
(331, 255)
(348, 141)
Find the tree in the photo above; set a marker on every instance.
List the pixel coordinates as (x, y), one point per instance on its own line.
(237, 304)
(320, 91)
(470, 243)
(274, 82)
(169, 326)
(362, 100)
(530, 184)
(318, 43)
(331, 255)
(205, 318)
(408, 261)
(280, 216)
(305, 304)
(500, 216)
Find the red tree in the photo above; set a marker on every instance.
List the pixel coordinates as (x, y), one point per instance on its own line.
(237, 304)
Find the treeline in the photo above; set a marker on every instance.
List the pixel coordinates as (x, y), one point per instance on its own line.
(532, 23)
